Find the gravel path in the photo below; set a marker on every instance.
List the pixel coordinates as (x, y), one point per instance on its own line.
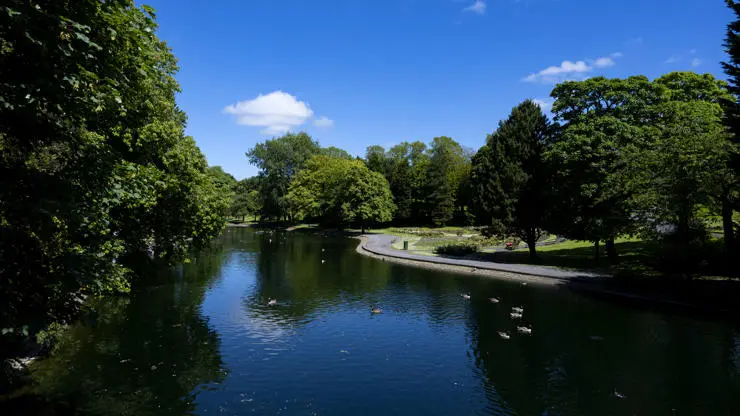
(380, 245)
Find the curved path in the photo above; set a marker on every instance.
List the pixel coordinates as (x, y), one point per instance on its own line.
(380, 244)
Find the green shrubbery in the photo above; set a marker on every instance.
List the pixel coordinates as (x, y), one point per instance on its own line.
(457, 249)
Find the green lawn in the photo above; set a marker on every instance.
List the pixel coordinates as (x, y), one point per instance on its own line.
(634, 254)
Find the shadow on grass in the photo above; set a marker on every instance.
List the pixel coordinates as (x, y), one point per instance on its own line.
(634, 256)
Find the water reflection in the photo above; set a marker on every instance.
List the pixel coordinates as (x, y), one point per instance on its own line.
(143, 355)
(209, 343)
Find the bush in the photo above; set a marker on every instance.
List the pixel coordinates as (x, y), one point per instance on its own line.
(457, 249)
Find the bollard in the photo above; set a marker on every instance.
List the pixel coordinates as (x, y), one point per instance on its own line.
(405, 245)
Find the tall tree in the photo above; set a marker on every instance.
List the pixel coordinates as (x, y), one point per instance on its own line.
(96, 175)
(599, 117)
(279, 160)
(509, 177)
(732, 110)
(443, 178)
(341, 191)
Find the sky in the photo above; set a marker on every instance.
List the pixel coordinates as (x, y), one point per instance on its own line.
(355, 73)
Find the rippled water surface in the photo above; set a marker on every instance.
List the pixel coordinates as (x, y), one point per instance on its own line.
(208, 343)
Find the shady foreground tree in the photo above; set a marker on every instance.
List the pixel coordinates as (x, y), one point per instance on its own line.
(97, 178)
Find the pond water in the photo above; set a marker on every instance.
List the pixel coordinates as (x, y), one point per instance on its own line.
(208, 343)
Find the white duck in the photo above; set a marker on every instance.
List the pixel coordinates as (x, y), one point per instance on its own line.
(272, 302)
(465, 296)
(524, 329)
(494, 300)
(517, 309)
(504, 335)
(516, 315)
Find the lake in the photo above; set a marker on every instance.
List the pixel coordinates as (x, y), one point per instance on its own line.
(205, 341)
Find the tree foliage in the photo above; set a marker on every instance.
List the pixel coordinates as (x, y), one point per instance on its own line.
(341, 191)
(279, 160)
(509, 177)
(96, 173)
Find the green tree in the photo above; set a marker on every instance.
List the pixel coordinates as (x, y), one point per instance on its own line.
(732, 107)
(247, 199)
(694, 150)
(97, 178)
(340, 192)
(509, 177)
(442, 180)
(223, 180)
(590, 199)
(279, 160)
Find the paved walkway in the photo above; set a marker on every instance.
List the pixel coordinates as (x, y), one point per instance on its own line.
(380, 244)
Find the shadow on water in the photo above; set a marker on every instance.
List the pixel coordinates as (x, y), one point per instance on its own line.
(139, 355)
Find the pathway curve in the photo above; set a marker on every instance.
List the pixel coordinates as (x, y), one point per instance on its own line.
(380, 244)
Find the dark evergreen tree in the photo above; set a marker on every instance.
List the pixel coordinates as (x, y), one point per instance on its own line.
(732, 111)
(509, 179)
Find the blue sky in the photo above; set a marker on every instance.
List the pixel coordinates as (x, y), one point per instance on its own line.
(354, 73)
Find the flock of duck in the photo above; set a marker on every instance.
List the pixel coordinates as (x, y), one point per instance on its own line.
(517, 313)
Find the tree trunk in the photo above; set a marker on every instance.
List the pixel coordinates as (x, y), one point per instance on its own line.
(611, 250)
(596, 250)
(727, 226)
(532, 243)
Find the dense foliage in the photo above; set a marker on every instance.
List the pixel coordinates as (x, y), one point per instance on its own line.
(510, 179)
(340, 191)
(97, 178)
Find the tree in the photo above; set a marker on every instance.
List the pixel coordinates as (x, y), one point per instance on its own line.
(247, 199)
(97, 179)
(340, 192)
(732, 105)
(590, 199)
(335, 152)
(279, 160)
(509, 177)
(692, 135)
(441, 179)
(223, 180)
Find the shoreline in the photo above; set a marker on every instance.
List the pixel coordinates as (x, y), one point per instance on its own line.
(432, 265)
(598, 287)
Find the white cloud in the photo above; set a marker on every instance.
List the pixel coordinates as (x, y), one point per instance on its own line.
(571, 70)
(672, 60)
(277, 112)
(323, 121)
(545, 104)
(604, 62)
(479, 7)
(695, 62)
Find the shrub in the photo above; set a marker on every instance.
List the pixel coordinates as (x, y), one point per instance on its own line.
(457, 249)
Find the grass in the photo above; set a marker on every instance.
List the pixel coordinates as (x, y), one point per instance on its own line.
(634, 255)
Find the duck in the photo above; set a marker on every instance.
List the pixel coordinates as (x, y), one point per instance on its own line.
(516, 315)
(504, 335)
(517, 309)
(323, 261)
(465, 296)
(494, 300)
(376, 309)
(524, 329)
(272, 302)
(619, 395)
(524, 283)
